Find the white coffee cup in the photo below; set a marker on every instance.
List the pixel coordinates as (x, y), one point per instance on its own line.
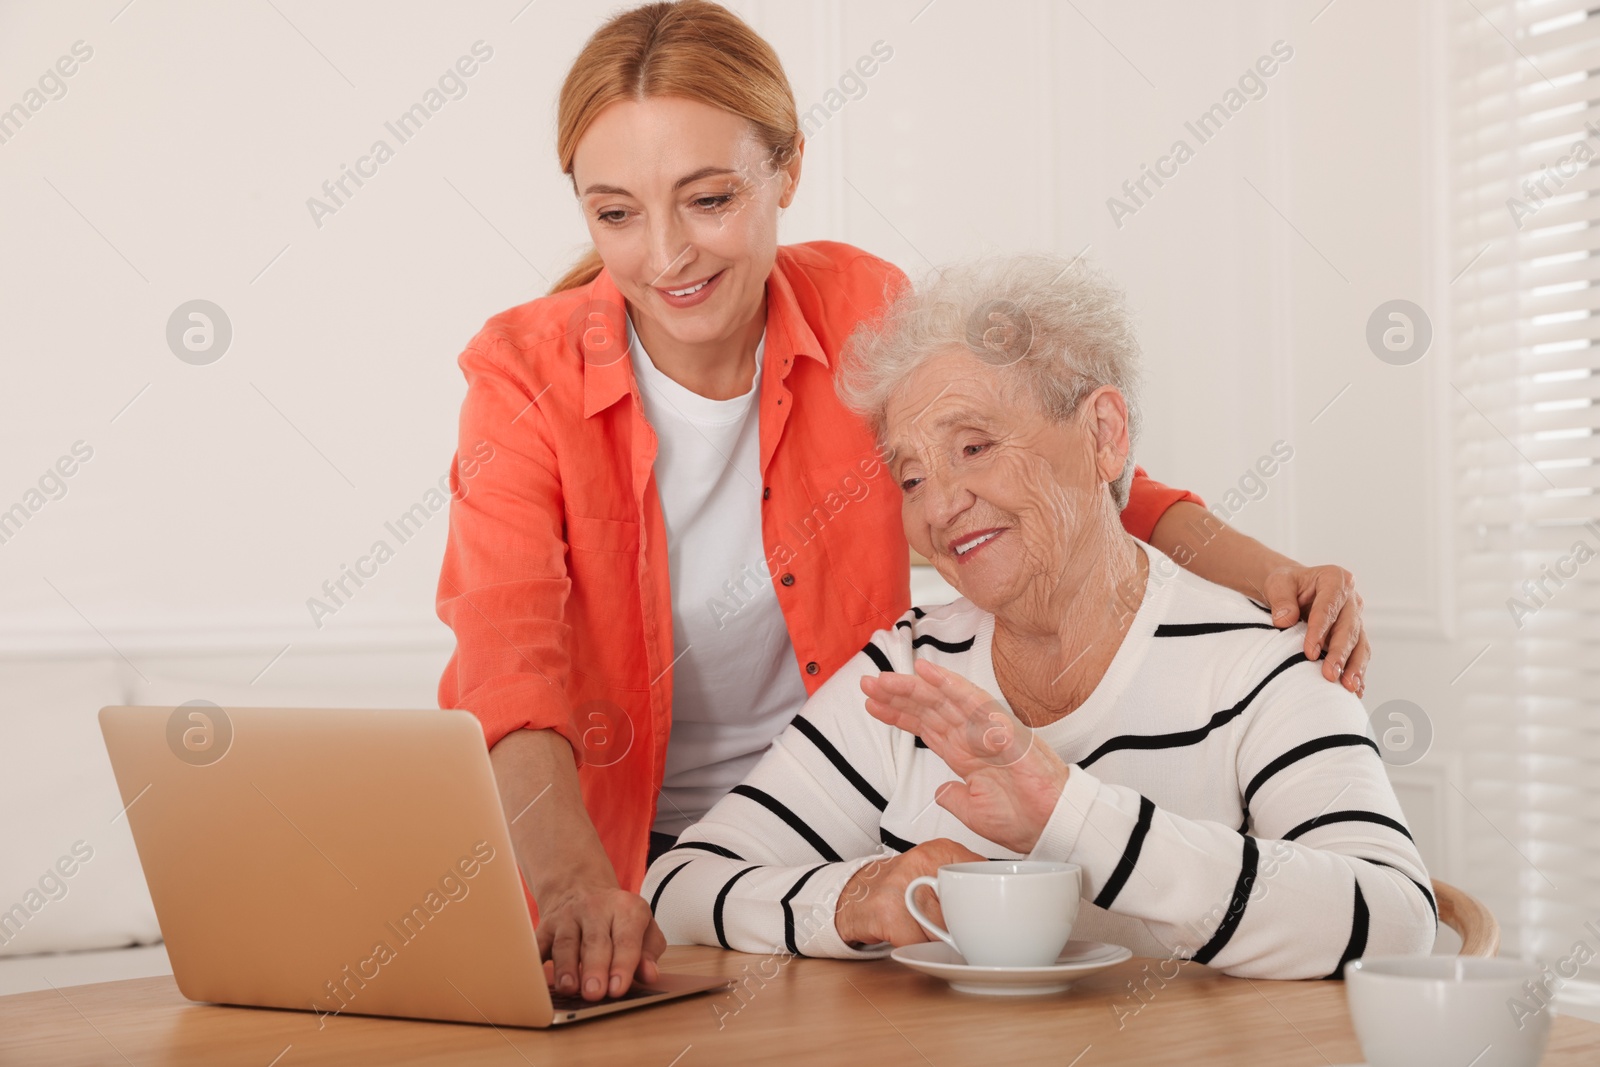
(1004, 913)
(1422, 1011)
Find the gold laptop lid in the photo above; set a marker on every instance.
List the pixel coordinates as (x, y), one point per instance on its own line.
(332, 861)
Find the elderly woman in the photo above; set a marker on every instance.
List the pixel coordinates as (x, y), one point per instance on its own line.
(1085, 701)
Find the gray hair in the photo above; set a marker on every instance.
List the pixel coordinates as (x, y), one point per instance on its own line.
(1061, 327)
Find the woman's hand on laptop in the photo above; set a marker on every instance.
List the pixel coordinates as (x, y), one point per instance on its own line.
(598, 939)
(597, 935)
(872, 906)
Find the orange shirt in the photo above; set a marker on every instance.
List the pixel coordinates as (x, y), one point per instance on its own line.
(555, 576)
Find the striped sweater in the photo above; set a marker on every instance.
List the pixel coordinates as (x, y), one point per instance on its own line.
(1226, 803)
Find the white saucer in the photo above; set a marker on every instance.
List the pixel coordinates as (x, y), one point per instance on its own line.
(1078, 960)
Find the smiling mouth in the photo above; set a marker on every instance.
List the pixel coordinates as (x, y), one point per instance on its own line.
(692, 290)
(963, 548)
(693, 295)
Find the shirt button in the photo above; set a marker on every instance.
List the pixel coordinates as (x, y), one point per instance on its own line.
(812, 668)
(787, 579)
(766, 494)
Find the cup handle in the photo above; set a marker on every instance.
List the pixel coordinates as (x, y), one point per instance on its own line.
(916, 913)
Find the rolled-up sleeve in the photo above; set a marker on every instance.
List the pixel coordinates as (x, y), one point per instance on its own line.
(1148, 500)
(503, 585)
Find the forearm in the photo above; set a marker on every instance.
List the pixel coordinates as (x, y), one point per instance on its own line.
(747, 878)
(704, 899)
(1300, 859)
(1206, 546)
(538, 781)
(1246, 905)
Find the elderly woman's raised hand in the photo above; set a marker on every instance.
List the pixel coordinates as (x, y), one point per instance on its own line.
(1009, 784)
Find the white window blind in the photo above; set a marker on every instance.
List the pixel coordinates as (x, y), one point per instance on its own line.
(1525, 378)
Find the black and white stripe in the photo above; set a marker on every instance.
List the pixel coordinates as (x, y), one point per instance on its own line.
(878, 656)
(1332, 817)
(1360, 925)
(1184, 738)
(840, 764)
(1427, 894)
(661, 887)
(1198, 629)
(707, 846)
(722, 901)
(789, 818)
(1300, 752)
(1249, 861)
(788, 909)
(1130, 856)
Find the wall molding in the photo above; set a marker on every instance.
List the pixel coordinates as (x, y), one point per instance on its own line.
(1432, 617)
(200, 638)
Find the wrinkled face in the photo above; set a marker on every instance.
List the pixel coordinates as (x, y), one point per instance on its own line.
(682, 201)
(996, 493)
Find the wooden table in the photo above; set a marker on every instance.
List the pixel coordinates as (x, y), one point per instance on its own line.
(803, 1011)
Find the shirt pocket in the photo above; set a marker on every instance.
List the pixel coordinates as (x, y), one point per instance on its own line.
(589, 534)
(602, 607)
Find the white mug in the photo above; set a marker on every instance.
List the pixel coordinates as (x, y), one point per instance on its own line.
(1004, 913)
(1423, 1011)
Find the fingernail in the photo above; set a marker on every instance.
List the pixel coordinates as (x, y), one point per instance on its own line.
(616, 985)
(1338, 667)
(568, 983)
(592, 986)
(1316, 650)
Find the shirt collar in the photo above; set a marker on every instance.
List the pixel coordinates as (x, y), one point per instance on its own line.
(598, 326)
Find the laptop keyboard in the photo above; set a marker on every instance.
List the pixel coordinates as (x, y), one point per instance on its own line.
(573, 1002)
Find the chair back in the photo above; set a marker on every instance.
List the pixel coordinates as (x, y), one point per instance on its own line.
(1469, 917)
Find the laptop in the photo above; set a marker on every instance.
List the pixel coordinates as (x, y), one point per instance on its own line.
(339, 861)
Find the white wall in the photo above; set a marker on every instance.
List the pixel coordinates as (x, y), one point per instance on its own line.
(218, 499)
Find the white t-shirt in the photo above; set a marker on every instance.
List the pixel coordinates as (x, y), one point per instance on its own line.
(735, 682)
